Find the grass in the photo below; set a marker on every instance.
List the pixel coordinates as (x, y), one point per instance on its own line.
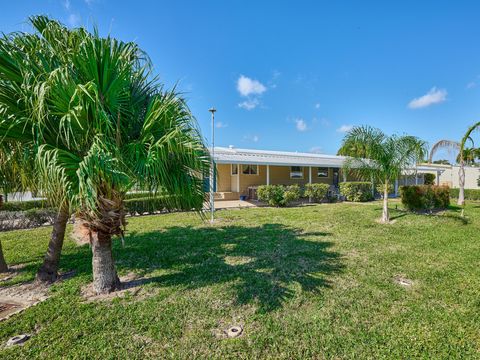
(308, 282)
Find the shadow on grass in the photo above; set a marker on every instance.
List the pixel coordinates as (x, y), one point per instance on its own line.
(264, 265)
(452, 212)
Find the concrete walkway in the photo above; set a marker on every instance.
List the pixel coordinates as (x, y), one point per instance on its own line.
(231, 204)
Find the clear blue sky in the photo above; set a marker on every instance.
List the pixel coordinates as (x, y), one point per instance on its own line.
(288, 75)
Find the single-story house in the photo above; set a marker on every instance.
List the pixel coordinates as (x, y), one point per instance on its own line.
(239, 170)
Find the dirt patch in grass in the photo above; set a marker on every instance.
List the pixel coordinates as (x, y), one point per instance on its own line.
(131, 285)
(16, 298)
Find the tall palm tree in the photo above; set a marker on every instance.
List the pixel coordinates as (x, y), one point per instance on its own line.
(455, 146)
(101, 124)
(382, 158)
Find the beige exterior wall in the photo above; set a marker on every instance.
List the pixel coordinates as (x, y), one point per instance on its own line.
(279, 175)
(450, 176)
(223, 181)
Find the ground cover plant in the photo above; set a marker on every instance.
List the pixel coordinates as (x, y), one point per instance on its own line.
(318, 281)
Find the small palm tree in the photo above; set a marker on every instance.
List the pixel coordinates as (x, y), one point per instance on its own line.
(382, 158)
(100, 125)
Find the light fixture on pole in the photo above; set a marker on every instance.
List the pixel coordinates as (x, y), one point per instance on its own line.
(212, 166)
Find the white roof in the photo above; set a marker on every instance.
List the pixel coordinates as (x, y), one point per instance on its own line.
(282, 158)
(233, 155)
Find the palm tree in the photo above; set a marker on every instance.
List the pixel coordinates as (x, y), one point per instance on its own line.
(101, 124)
(382, 158)
(456, 146)
(469, 155)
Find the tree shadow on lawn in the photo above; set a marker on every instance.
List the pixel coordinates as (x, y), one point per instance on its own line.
(261, 264)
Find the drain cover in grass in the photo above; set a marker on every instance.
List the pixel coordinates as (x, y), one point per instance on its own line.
(18, 340)
(403, 281)
(234, 331)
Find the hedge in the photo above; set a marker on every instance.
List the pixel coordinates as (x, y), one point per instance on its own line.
(358, 191)
(425, 197)
(32, 218)
(429, 179)
(470, 194)
(140, 206)
(23, 205)
(278, 195)
(318, 192)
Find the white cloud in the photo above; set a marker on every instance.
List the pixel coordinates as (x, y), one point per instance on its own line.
(471, 85)
(220, 125)
(249, 104)
(317, 106)
(316, 150)
(300, 124)
(247, 86)
(66, 4)
(433, 96)
(345, 128)
(74, 20)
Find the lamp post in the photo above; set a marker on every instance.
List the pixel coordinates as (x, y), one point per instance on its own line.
(212, 167)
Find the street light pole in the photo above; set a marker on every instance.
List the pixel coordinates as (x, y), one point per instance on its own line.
(212, 167)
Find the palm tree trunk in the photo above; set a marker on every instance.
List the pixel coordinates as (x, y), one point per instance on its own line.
(385, 213)
(3, 263)
(105, 278)
(461, 180)
(48, 272)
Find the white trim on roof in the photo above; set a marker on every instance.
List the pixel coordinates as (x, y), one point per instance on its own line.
(279, 158)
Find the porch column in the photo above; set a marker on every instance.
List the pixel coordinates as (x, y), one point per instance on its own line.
(268, 174)
(238, 179)
(396, 187)
(416, 179)
(309, 180)
(438, 177)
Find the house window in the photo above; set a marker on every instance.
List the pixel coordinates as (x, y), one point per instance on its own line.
(250, 169)
(234, 169)
(322, 172)
(296, 172)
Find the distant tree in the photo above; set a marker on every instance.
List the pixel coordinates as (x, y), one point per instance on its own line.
(372, 155)
(442, 162)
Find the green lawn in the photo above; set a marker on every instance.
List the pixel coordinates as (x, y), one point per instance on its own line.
(309, 282)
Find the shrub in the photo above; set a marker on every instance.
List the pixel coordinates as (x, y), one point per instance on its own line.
(11, 220)
(379, 189)
(425, 197)
(318, 192)
(429, 179)
(278, 195)
(470, 194)
(291, 193)
(23, 205)
(357, 191)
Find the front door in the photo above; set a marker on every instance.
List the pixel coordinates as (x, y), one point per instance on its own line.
(336, 177)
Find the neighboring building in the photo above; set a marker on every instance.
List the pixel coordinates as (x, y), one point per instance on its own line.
(239, 170)
(448, 175)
